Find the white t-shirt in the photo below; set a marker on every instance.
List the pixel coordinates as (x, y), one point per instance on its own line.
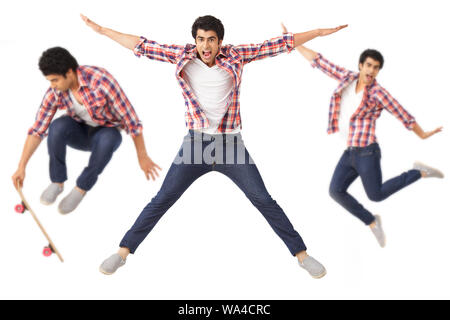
(81, 111)
(350, 101)
(212, 86)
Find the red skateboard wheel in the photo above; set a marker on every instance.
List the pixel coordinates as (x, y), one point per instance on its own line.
(20, 208)
(47, 252)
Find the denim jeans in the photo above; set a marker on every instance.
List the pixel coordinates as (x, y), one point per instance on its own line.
(101, 141)
(203, 153)
(365, 162)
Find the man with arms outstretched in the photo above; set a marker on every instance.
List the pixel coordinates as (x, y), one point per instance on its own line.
(355, 106)
(209, 74)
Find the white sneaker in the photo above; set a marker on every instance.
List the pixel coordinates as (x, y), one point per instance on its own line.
(51, 193)
(70, 202)
(378, 232)
(110, 265)
(429, 171)
(314, 267)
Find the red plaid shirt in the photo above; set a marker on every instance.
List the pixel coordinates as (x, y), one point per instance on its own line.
(103, 98)
(230, 58)
(375, 99)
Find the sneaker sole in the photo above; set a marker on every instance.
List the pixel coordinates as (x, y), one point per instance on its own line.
(47, 203)
(313, 276)
(378, 218)
(67, 212)
(320, 276)
(104, 272)
(64, 213)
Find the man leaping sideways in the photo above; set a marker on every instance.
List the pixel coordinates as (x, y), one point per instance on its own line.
(355, 106)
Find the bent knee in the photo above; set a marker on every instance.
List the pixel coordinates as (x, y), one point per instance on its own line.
(109, 140)
(335, 193)
(60, 125)
(376, 196)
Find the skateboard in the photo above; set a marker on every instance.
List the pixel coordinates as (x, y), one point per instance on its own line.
(20, 208)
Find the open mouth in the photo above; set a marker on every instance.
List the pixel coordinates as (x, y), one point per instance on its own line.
(207, 54)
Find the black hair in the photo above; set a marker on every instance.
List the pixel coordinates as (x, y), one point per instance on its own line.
(57, 60)
(374, 54)
(208, 23)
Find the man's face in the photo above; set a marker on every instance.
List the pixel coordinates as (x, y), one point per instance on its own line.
(369, 70)
(60, 82)
(208, 46)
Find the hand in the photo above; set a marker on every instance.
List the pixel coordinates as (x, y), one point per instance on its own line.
(92, 24)
(428, 134)
(149, 167)
(326, 32)
(283, 27)
(18, 178)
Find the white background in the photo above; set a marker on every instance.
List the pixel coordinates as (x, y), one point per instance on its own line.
(213, 244)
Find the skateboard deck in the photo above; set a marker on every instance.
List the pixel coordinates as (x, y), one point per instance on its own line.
(20, 208)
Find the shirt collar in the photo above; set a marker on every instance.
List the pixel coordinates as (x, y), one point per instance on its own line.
(81, 78)
(369, 87)
(374, 84)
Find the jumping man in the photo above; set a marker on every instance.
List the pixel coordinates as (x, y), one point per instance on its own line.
(209, 74)
(97, 109)
(355, 106)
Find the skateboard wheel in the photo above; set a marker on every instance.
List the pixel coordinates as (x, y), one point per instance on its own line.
(20, 208)
(47, 252)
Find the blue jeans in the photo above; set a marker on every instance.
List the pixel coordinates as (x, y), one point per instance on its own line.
(101, 141)
(203, 153)
(365, 162)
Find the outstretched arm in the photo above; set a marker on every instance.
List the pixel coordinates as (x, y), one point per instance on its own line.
(139, 45)
(309, 54)
(317, 61)
(424, 134)
(301, 38)
(127, 40)
(285, 43)
(395, 108)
